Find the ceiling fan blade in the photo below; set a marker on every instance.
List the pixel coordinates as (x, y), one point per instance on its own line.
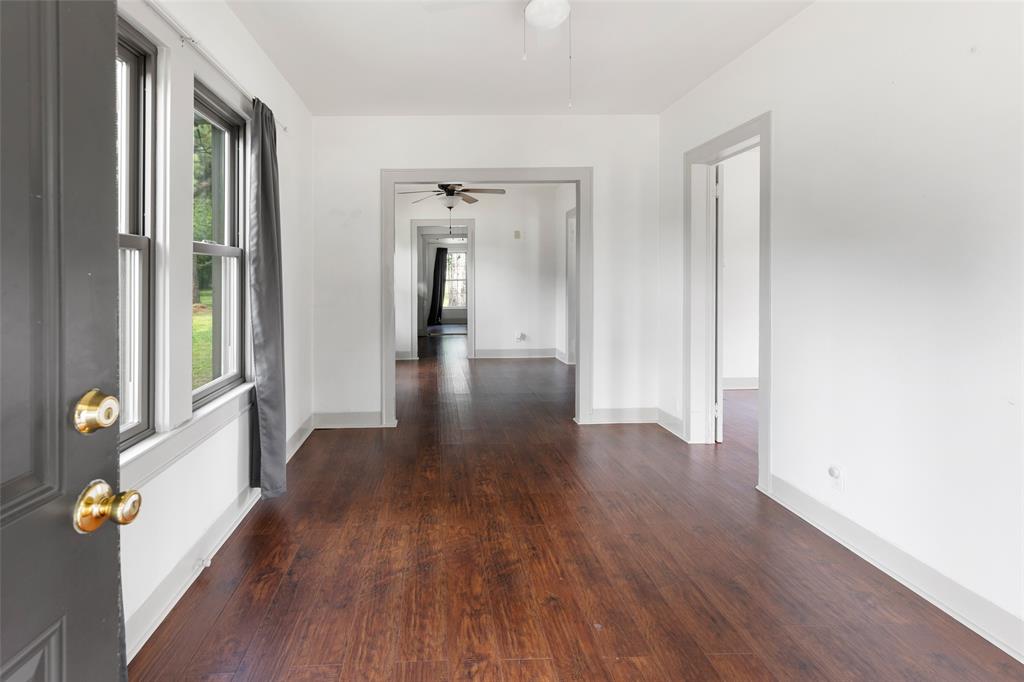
(467, 198)
(483, 191)
(420, 191)
(429, 196)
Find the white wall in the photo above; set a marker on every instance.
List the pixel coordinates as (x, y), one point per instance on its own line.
(349, 153)
(896, 281)
(515, 278)
(207, 453)
(738, 286)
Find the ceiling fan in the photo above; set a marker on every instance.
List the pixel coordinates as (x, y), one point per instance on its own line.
(451, 193)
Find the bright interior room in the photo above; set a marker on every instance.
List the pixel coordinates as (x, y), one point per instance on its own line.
(511, 340)
(737, 185)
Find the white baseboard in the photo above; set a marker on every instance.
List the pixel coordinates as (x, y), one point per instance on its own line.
(739, 383)
(406, 355)
(348, 420)
(989, 620)
(563, 357)
(620, 415)
(299, 437)
(489, 353)
(141, 625)
(672, 424)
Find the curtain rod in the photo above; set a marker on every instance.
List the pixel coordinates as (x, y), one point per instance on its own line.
(187, 39)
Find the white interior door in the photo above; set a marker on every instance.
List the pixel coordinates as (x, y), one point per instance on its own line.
(719, 406)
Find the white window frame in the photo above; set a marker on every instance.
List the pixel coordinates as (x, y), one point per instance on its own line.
(465, 255)
(141, 142)
(213, 108)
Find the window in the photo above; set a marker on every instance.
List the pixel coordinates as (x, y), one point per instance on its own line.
(217, 267)
(455, 280)
(135, 120)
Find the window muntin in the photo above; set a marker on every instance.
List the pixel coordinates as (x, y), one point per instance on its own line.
(217, 268)
(455, 280)
(134, 70)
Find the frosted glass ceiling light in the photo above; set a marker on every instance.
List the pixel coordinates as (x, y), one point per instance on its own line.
(450, 201)
(545, 14)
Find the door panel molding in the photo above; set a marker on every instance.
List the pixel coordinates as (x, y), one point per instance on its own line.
(29, 36)
(41, 661)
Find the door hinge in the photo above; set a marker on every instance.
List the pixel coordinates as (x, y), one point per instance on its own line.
(718, 189)
(718, 411)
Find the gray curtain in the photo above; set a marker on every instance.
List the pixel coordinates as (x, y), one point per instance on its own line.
(437, 293)
(267, 470)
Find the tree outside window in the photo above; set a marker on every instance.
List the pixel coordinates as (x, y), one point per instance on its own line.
(455, 280)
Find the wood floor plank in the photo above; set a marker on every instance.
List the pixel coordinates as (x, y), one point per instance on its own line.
(489, 537)
(741, 668)
(421, 671)
(528, 670)
(423, 626)
(227, 641)
(471, 636)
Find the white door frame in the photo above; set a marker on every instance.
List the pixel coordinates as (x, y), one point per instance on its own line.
(571, 288)
(581, 176)
(465, 226)
(700, 304)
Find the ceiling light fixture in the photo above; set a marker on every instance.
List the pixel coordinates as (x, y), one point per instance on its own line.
(547, 14)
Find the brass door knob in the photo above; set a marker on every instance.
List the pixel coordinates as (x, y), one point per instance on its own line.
(98, 502)
(96, 410)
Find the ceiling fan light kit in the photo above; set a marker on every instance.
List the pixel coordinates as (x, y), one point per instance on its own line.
(547, 14)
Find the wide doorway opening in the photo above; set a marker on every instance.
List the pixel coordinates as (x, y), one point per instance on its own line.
(727, 310)
(489, 265)
(737, 295)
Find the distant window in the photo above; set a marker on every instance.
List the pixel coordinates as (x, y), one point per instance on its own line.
(134, 70)
(455, 281)
(216, 251)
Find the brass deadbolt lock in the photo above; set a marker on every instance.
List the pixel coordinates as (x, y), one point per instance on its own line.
(96, 410)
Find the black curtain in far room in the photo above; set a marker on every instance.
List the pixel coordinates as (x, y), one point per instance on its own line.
(437, 295)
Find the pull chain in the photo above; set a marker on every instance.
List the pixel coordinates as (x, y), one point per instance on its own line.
(570, 60)
(524, 31)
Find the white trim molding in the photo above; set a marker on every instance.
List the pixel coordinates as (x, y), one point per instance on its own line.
(990, 621)
(406, 355)
(141, 463)
(563, 357)
(297, 439)
(672, 424)
(350, 420)
(511, 353)
(620, 415)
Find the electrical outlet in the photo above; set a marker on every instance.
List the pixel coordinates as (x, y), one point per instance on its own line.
(835, 473)
(517, 235)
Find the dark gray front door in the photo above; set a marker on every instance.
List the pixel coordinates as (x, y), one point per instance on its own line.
(59, 589)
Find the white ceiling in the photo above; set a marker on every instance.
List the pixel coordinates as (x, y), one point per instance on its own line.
(450, 57)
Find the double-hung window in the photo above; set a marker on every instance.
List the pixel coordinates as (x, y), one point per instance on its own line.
(134, 73)
(455, 280)
(217, 266)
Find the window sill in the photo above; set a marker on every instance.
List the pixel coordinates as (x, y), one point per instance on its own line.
(143, 461)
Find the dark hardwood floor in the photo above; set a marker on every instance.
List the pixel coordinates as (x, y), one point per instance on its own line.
(488, 537)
